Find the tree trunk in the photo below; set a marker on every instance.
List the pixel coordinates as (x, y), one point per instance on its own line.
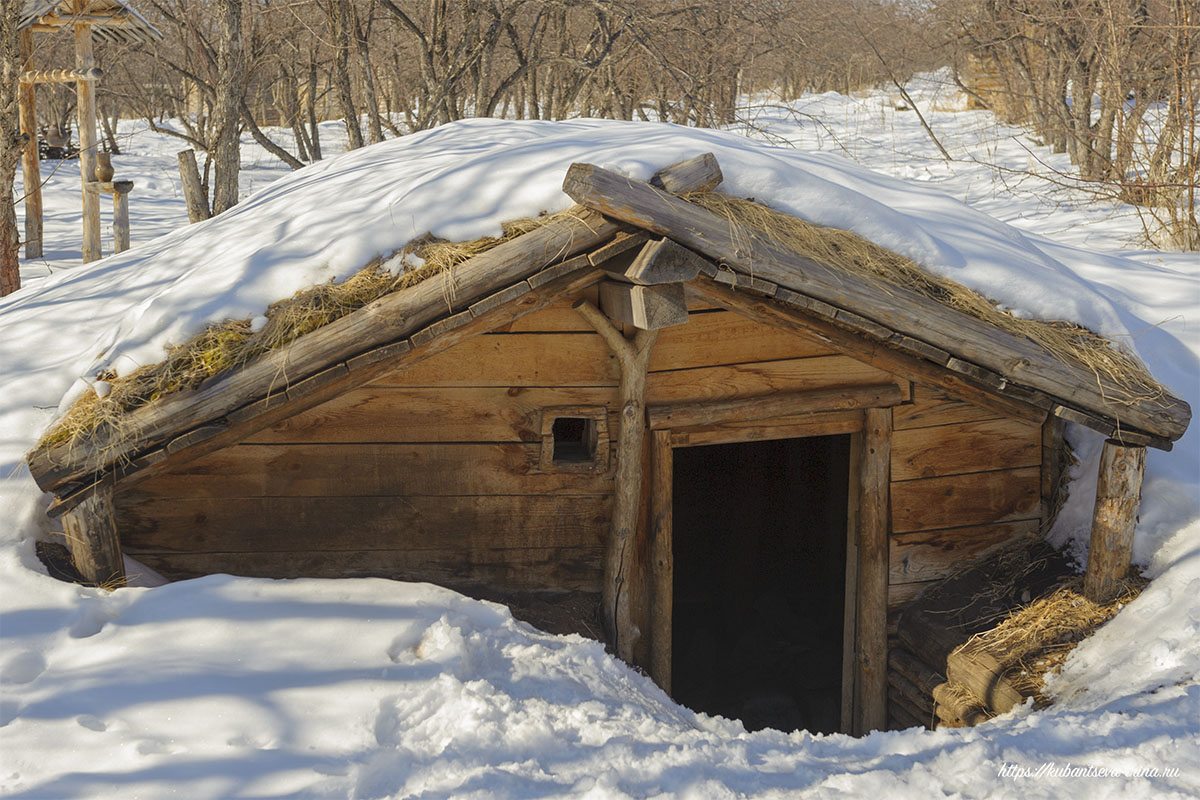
(230, 92)
(11, 144)
(339, 18)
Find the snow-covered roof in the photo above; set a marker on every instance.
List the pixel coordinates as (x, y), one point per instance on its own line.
(460, 181)
(128, 25)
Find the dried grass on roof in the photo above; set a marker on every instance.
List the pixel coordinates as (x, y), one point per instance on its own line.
(227, 345)
(1038, 637)
(1119, 372)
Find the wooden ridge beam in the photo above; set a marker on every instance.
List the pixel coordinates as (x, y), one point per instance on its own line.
(896, 308)
(783, 404)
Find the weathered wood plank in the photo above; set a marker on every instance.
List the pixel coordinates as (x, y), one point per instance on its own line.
(933, 555)
(478, 574)
(819, 327)
(747, 380)
(477, 523)
(965, 447)
(724, 337)
(362, 470)
(901, 594)
(432, 414)
(932, 406)
(831, 423)
(1118, 495)
(972, 340)
(503, 359)
(978, 498)
(872, 584)
(783, 404)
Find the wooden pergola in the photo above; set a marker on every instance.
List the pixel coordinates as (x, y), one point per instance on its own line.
(112, 21)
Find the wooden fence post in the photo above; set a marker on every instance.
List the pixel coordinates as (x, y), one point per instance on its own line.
(85, 90)
(121, 215)
(1118, 494)
(30, 168)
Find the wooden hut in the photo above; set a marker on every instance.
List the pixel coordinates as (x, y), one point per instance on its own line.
(744, 458)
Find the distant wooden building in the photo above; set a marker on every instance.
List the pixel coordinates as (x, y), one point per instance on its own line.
(745, 466)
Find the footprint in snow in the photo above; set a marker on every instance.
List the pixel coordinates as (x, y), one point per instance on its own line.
(92, 722)
(23, 668)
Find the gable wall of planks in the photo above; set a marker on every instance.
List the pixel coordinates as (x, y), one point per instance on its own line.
(433, 472)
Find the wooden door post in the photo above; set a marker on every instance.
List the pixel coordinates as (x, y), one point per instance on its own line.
(662, 558)
(30, 168)
(870, 679)
(91, 531)
(620, 571)
(1118, 495)
(85, 90)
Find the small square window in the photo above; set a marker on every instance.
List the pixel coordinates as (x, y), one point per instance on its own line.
(575, 439)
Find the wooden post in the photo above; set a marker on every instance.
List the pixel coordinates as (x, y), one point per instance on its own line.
(30, 168)
(91, 531)
(850, 602)
(121, 215)
(662, 558)
(619, 569)
(193, 190)
(1118, 494)
(872, 584)
(86, 106)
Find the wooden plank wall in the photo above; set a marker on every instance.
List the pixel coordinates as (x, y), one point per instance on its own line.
(963, 480)
(433, 472)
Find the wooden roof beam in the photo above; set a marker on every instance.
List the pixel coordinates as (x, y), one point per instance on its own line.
(1014, 357)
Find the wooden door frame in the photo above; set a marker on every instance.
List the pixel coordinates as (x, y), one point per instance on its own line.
(864, 655)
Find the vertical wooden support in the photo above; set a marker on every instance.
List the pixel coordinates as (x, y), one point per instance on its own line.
(619, 570)
(121, 215)
(1052, 463)
(91, 531)
(30, 168)
(850, 603)
(86, 107)
(872, 585)
(662, 557)
(1118, 495)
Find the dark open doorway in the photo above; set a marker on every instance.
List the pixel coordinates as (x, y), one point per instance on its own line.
(759, 580)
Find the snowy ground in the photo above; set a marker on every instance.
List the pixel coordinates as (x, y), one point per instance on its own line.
(224, 687)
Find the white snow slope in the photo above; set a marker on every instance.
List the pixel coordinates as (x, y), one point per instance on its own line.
(229, 687)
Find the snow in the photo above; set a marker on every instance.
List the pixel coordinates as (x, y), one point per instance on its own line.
(228, 687)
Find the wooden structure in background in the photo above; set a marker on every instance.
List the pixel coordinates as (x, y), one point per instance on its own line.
(419, 438)
(112, 20)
